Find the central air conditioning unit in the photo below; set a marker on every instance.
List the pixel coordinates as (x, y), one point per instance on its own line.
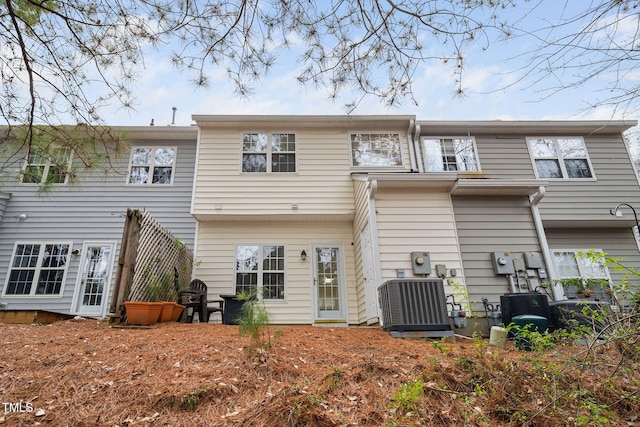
(414, 308)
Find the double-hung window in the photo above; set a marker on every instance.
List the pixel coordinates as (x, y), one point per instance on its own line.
(450, 154)
(268, 153)
(43, 168)
(37, 269)
(570, 265)
(376, 150)
(560, 158)
(261, 267)
(152, 165)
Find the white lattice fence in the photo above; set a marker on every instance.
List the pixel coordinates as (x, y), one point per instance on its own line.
(162, 266)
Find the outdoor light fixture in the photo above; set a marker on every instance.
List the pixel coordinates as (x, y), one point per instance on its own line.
(616, 212)
(303, 255)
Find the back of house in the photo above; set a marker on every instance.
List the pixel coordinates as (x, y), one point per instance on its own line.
(63, 212)
(315, 213)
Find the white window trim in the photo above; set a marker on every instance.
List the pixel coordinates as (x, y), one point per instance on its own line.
(260, 270)
(269, 152)
(576, 251)
(34, 284)
(47, 166)
(152, 166)
(560, 159)
(401, 166)
(79, 278)
(424, 158)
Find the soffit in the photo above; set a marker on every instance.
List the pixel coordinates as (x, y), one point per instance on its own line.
(529, 127)
(381, 122)
(497, 187)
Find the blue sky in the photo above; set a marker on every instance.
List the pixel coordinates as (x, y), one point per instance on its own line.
(486, 74)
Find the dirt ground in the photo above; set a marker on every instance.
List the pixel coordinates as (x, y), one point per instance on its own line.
(86, 373)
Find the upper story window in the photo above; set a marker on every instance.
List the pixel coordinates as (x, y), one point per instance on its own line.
(560, 157)
(260, 267)
(263, 152)
(41, 168)
(376, 150)
(152, 165)
(450, 154)
(37, 269)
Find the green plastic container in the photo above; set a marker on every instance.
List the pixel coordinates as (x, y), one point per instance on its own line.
(529, 322)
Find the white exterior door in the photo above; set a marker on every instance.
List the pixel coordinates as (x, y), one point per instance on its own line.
(369, 275)
(328, 284)
(92, 291)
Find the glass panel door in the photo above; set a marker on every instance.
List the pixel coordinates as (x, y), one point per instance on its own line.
(95, 279)
(328, 283)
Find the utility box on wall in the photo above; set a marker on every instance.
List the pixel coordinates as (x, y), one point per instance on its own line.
(421, 263)
(502, 263)
(533, 260)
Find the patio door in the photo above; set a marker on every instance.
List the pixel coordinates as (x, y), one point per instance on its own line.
(92, 291)
(328, 284)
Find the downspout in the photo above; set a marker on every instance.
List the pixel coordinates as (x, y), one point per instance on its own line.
(373, 229)
(534, 200)
(412, 152)
(416, 147)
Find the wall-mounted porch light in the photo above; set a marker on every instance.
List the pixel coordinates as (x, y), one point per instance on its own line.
(303, 255)
(616, 212)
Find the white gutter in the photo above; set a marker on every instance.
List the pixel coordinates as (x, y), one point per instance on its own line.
(412, 154)
(416, 147)
(375, 256)
(534, 200)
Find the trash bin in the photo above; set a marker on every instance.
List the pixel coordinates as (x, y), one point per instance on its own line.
(232, 309)
(529, 322)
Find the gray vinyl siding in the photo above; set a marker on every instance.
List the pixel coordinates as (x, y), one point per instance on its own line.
(618, 243)
(94, 209)
(572, 200)
(489, 224)
(507, 157)
(4, 201)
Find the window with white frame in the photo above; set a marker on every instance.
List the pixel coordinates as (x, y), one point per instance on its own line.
(152, 165)
(560, 158)
(450, 154)
(37, 269)
(43, 168)
(376, 150)
(260, 267)
(569, 265)
(268, 153)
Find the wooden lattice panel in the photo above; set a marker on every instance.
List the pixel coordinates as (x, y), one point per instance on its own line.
(161, 260)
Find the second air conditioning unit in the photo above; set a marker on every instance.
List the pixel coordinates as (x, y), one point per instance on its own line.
(414, 307)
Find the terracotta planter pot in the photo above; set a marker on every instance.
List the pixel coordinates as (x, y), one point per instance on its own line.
(159, 306)
(177, 311)
(167, 311)
(142, 313)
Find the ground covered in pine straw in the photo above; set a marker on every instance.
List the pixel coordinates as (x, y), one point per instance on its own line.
(86, 373)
